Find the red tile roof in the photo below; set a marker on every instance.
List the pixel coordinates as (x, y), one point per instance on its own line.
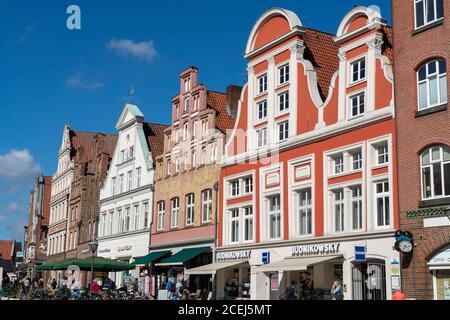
(322, 52)
(218, 102)
(387, 49)
(83, 144)
(155, 137)
(6, 249)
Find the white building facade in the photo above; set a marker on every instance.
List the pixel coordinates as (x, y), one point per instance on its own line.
(126, 198)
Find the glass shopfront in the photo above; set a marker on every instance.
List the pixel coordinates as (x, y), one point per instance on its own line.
(369, 280)
(237, 283)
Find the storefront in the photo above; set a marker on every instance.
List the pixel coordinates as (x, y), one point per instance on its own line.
(439, 265)
(174, 267)
(366, 269)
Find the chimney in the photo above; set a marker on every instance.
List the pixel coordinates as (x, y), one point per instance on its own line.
(233, 96)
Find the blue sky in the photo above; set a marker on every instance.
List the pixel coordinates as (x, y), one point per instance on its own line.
(50, 76)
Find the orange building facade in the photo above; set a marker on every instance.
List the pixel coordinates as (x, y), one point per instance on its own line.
(307, 186)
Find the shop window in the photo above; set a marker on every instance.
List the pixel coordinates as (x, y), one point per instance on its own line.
(369, 281)
(435, 163)
(428, 11)
(432, 84)
(382, 204)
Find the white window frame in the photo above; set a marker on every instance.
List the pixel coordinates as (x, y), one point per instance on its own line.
(432, 162)
(138, 177)
(283, 76)
(207, 206)
(235, 188)
(136, 217)
(161, 212)
(187, 104)
(427, 80)
(248, 217)
(263, 104)
(341, 203)
(234, 218)
(283, 130)
(360, 161)
(385, 155)
(248, 187)
(186, 131)
(175, 213)
(299, 208)
(356, 62)
(358, 199)
(425, 14)
(357, 95)
(384, 195)
(283, 102)
(261, 136)
(262, 83)
(190, 209)
(271, 213)
(341, 165)
(129, 180)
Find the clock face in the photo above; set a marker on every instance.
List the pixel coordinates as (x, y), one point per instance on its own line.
(405, 246)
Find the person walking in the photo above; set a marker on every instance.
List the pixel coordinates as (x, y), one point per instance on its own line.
(336, 291)
(398, 295)
(26, 286)
(291, 290)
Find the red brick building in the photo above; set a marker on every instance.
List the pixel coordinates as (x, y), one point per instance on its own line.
(35, 251)
(421, 54)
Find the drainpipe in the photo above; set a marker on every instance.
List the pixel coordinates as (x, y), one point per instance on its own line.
(214, 276)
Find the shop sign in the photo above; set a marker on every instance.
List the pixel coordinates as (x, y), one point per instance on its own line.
(274, 281)
(265, 258)
(441, 258)
(233, 255)
(360, 253)
(125, 248)
(395, 274)
(316, 249)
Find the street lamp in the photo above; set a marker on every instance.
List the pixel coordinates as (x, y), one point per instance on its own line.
(93, 245)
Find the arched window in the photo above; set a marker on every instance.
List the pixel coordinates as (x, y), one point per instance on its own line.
(432, 84)
(187, 104)
(435, 163)
(185, 131)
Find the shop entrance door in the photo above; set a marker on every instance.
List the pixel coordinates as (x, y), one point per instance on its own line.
(369, 281)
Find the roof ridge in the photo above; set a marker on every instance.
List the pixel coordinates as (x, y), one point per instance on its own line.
(94, 132)
(157, 124)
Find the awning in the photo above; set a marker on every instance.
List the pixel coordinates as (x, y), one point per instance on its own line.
(213, 267)
(152, 256)
(179, 258)
(295, 264)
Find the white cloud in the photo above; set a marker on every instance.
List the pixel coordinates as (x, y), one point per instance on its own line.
(14, 207)
(16, 168)
(76, 82)
(128, 47)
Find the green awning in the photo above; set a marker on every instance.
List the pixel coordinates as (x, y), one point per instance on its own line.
(151, 257)
(64, 264)
(182, 256)
(103, 264)
(44, 267)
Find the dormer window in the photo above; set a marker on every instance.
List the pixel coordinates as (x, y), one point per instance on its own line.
(262, 84)
(358, 70)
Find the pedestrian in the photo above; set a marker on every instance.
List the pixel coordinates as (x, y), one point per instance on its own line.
(336, 291)
(398, 295)
(291, 291)
(26, 286)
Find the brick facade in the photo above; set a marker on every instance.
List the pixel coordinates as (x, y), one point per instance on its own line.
(415, 133)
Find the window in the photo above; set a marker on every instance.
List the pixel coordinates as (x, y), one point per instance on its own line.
(160, 223)
(432, 84)
(305, 212)
(262, 110)
(248, 185)
(196, 132)
(207, 205)
(138, 177)
(262, 137)
(283, 101)
(121, 183)
(127, 220)
(111, 222)
(186, 162)
(113, 186)
(187, 104)
(103, 224)
(357, 208)
(357, 104)
(357, 160)
(283, 130)
(234, 226)
(358, 70)
(169, 168)
(339, 210)
(262, 84)
(382, 154)
(435, 165)
(177, 165)
(274, 217)
(428, 11)
(283, 74)
(122, 156)
(130, 180)
(196, 103)
(338, 164)
(175, 212)
(204, 128)
(203, 158)
(185, 131)
(248, 224)
(235, 188)
(382, 203)
(136, 217)
(131, 152)
(145, 205)
(190, 209)
(120, 220)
